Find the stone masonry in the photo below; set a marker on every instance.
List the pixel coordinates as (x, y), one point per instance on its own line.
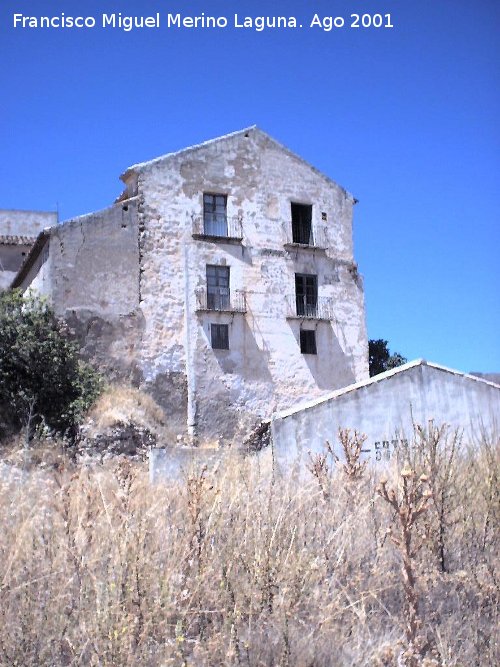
(222, 281)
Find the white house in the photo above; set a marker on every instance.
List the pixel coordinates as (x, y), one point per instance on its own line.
(222, 280)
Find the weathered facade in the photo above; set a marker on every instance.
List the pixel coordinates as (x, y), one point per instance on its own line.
(89, 268)
(222, 280)
(18, 232)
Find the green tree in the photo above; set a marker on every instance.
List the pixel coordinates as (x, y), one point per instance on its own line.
(42, 378)
(380, 359)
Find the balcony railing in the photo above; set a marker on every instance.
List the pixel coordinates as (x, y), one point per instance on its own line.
(221, 299)
(300, 307)
(212, 226)
(315, 238)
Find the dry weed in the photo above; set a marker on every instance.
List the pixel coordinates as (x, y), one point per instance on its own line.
(122, 404)
(240, 567)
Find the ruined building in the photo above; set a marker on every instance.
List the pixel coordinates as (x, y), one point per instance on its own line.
(222, 281)
(18, 232)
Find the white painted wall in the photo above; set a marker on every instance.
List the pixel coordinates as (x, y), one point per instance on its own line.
(264, 369)
(126, 280)
(385, 409)
(14, 222)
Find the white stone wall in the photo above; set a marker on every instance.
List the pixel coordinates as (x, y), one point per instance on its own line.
(89, 268)
(25, 223)
(127, 278)
(39, 276)
(91, 263)
(264, 369)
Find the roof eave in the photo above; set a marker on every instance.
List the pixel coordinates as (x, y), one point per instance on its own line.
(31, 258)
(375, 379)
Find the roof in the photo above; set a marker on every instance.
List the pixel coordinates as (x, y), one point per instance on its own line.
(7, 239)
(31, 258)
(381, 377)
(147, 163)
(491, 377)
(140, 166)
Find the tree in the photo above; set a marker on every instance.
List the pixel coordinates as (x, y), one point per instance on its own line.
(380, 359)
(42, 378)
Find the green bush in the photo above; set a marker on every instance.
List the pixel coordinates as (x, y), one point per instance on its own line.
(42, 378)
(380, 359)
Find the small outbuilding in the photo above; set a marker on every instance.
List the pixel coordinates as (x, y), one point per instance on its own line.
(386, 407)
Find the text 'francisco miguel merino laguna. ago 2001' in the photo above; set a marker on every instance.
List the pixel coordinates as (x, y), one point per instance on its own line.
(202, 21)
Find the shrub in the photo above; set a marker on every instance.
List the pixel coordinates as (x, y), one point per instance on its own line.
(380, 359)
(42, 378)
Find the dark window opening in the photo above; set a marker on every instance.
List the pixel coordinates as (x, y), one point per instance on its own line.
(324, 216)
(217, 287)
(302, 224)
(306, 294)
(219, 334)
(215, 215)
(308, 341)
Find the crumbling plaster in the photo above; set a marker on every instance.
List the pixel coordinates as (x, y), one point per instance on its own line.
(127, 280)
(89, 269)
(264, 369)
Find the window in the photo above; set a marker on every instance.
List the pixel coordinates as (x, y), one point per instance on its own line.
(306, 294)
(302, 224)
(308, 341)
(217, 287)
(215, 215)
(219, 334)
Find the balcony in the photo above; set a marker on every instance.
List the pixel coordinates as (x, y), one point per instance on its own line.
(302, 308)
(306, 238)
(216, 227)
(221, 299)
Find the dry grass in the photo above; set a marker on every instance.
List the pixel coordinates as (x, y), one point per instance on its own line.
(242, 567)
(122, 404)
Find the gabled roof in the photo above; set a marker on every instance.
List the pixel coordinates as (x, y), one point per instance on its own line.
(381, 377)
(253, 129)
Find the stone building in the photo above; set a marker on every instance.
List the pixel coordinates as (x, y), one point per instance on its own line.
(18, 232)
(222, 280)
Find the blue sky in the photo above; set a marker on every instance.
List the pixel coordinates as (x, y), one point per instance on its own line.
(404, 118)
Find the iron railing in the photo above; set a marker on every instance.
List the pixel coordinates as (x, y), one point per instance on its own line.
(216, 226)
(221, 299)
(302, 307)
(316, 237)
